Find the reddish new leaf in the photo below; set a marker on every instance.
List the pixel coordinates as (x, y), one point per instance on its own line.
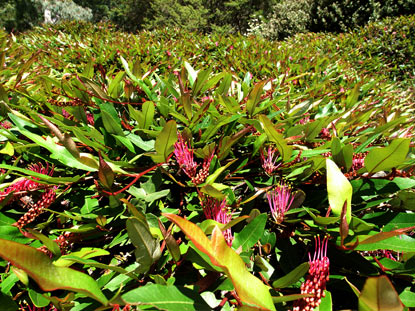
(249, 288)
(48, 276)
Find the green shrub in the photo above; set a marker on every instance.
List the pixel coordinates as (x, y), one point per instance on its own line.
(288, 18)
(66, 10)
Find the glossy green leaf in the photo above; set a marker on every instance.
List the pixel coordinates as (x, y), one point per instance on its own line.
(385, 235)
(254, 97)
(164, 144)
(249, 289)
(147, 115)
(276, 137)
(386, 158)
(292, 277)
(38, 299)
(147, 247)
(51, 245)
(339, 190)
(110, 124)
(326, 303)
(378, 294)
(201, 79)
(172, 298)
(401, 243)
(250, 235)
(113, 88)
(7, 148)
(49, 277)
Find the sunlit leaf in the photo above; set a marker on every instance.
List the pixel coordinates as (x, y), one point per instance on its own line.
(378, 294)
(339, 190)
(49, 277)
(249, 289)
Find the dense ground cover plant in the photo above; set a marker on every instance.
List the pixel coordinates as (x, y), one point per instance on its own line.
(174, 171)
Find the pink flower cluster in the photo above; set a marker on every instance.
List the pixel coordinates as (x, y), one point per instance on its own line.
(185, 159)
(216, 210)
(316, 279)
(34, 308)
(269, 161)
(280, 201)
(20, 188)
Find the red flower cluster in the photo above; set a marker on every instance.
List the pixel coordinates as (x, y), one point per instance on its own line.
(268, 162)
(184, 157)
(216, 210)
(318, 275)
(280, 201)
(20, 188)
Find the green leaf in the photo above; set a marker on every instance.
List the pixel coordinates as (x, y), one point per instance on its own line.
(385, 235)
(292, 277)
(50, 244)
(254, 97)
(384, 159)
(147, 111)
(113, 88)
(172, 298)
(147, 247)
(339, 190)
(250, 235)
(49, 277)
(378, 294)
(38, 299)
(191, 73)
(202, 76)
(164, 144)
(249, 289)
(142, 85)
(401, 243)
(7, 149)
(326, 303)
(284, 150)
(110, 124)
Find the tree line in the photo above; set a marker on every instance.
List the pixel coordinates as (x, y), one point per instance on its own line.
(274, 19)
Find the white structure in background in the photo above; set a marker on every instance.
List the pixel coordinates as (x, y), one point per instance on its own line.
(48, 17)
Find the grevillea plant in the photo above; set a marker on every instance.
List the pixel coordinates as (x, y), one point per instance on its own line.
(172, 171)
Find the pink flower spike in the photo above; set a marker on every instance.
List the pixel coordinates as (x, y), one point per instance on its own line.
(216, 210)
(318, 275)
(268, 162)
(184, 157)
(280, 201)
(204, 171)
(26, 184)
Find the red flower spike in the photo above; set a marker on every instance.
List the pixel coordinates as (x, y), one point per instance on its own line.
(34, 308)
(204, 171)
(26, 184)
(216, 210)
(184, 157)
(268, 162)
(280, 201)
(318, 275)
(47, 198)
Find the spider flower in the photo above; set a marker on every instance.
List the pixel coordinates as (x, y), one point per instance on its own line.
(34, 308)
(184, 157)
(26, 184)
(268, 161)
(280, 201)
(316, 279)
(216, 210)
